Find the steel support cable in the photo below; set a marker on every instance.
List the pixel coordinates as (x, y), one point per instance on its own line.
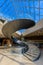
(3, 3)
(2, 6)
(14, 7)
(34, 9)
(39, 9)
(6, 9)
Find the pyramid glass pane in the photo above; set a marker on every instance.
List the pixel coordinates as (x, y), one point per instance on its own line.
(17, 9)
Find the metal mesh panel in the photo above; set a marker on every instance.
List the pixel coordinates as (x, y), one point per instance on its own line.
(36, 9)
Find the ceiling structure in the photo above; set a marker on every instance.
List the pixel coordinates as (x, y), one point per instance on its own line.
(16, 9)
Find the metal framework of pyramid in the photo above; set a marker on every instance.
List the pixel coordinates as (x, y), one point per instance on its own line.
(17, 9)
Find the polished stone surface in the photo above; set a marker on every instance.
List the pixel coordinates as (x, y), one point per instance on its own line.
(40, 61)
(18, 60)
(7, 59)
(16, 25)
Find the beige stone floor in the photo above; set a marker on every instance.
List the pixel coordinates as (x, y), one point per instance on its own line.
(40, 61)
(9, 59)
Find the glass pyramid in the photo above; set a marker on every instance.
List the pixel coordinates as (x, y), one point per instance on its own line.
(16, 9)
